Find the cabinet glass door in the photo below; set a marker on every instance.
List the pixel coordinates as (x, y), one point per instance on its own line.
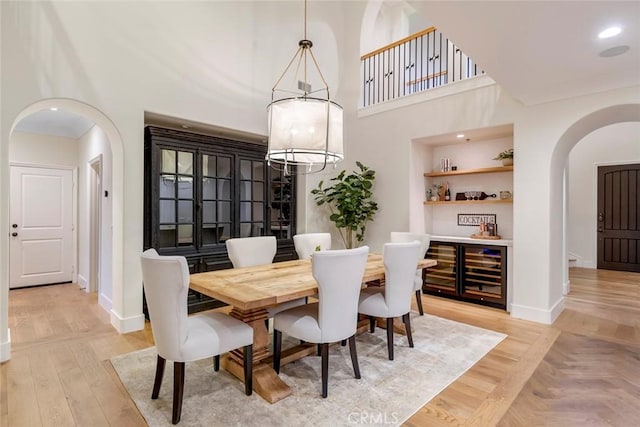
(280, 199)
(216, 198)
(483, 273)
(252, 206)
(176, 201)
(442, 277)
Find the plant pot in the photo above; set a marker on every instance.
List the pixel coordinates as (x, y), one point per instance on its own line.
(507, 162)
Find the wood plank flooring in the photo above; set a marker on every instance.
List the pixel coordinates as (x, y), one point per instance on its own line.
(583, 370)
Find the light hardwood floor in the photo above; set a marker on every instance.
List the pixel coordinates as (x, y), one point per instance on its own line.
(583, 370)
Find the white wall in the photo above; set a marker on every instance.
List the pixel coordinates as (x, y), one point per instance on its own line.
(43, 150)
(92, 145)
(212, 62)
(614, 144)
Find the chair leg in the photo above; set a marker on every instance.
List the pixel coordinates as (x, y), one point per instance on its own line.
(319, 350)
(407, 325)
(372, 324)
(390, 337)
(325, 368)
(159, 374)
(354, 356)
(216, 363)
(248, 369)
(178, 390)
(277, 346)
(419, 302)
(343, 343)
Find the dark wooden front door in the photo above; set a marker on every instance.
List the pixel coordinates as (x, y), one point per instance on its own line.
(619, 217)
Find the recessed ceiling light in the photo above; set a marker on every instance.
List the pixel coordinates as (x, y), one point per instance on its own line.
(460, 135)
(609, 32)
(53, 108)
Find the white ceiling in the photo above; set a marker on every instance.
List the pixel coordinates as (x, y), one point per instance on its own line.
(542, 51)
(539, 51)
(58, 123)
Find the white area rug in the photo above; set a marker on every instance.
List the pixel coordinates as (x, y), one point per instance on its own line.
(388, 393)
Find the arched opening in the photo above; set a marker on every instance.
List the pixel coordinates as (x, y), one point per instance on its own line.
(558, 192)
(102, 141)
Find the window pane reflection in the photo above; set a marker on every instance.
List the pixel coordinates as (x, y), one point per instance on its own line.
(245, 211)
(258, 211)
(168, 161)
(185, 235)
(185, 211)
(167, 211)
(208, 188)
(224, 167)
(185, 187)
(224, 211)
(245, 169)
(167, 186)
(245, 190)
(209, 211)
(185, 163)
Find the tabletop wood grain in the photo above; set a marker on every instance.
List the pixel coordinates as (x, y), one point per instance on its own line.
(272, 284)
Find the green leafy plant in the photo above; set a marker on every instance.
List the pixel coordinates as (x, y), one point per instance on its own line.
(350, 203)
(506, 154)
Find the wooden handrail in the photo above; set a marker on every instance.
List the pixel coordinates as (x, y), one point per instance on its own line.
(398, 43)
(430, 76)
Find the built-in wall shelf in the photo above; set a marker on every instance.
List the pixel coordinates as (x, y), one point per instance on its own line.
(468, 202)
(471, 171)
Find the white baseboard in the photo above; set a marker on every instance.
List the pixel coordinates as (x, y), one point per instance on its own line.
(105, 302)
(126, 325)
(538, 315)
(82, 282)
(5, 348)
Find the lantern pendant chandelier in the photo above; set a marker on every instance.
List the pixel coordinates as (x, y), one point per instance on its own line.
(305, 126)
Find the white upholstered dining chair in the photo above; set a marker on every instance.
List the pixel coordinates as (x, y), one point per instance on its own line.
(183, 338)
(424, 239)
(252, 251)
(307, 243)
(335, 316)
(394, 299)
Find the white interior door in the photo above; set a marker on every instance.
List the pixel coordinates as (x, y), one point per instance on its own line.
(41, 232)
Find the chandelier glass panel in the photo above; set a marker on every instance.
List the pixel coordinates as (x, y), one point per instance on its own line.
(305, 126)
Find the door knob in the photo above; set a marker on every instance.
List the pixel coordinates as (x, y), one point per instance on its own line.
(14, 234)
(599, 229)
(14, 225)
(600, 217)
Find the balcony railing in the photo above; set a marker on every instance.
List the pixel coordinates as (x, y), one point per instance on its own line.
(414, 64)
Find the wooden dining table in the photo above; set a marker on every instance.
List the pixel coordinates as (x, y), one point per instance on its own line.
(251, 290)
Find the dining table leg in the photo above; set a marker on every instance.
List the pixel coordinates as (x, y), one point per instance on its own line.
(266, 381)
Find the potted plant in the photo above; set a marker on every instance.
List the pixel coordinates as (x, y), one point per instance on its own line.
(506, 157)
(349, 201)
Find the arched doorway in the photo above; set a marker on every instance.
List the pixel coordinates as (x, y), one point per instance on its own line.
(111, 297)
(558, 191)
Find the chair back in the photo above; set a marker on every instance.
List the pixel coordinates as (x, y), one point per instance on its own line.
(166, 284)
(404, 237)
(424, 239)
(400, 260)
(339, 275)
(307, 243)
(250, 251)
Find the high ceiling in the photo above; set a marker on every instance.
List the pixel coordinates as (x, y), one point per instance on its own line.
(542, 51)
(539, 51)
